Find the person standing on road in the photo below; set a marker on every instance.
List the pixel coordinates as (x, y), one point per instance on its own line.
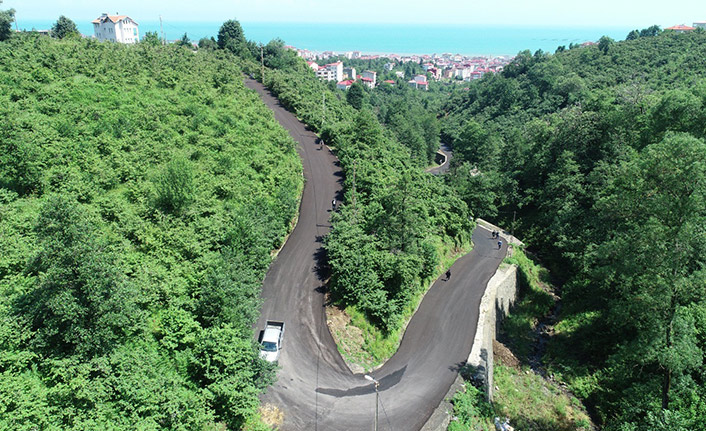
(500, 245)
(448, 275)
(333, 204)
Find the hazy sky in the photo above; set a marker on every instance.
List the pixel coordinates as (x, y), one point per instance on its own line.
(590, 13)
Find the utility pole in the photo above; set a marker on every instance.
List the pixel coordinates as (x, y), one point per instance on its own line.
(377, 398)
(262, 63)
(323, 115)
(355, 210)
(161, 30)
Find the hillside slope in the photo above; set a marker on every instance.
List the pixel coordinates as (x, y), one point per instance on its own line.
(143, 189)
(598, 154)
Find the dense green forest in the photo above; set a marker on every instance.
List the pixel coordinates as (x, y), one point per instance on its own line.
(396, 222)
(598, 153)
(142, 190)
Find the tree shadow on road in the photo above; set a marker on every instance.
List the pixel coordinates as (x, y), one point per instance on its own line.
(386, 382)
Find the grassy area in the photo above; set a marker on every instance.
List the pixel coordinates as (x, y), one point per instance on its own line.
(534, 404)
(364, 346)
(534, 302)
(529, 401)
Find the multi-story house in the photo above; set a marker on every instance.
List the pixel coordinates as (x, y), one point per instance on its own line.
(331, 72)
(116, 28)
(370, 77)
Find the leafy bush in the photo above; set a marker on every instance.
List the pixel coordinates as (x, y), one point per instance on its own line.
(142, 189)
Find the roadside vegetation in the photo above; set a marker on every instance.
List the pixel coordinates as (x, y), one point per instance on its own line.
(598, 154)
(142, 190)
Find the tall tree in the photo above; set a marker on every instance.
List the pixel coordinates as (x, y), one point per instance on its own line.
(6, 18)
(654, 266)
(232, 38)
(185, 41)
(151, 38)
(63, 27)
(356, 95)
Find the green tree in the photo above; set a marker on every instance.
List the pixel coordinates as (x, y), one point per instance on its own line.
(80, 302)
(650, 31)
(185, 41)
(232, 38)
(175, 185)
(656, 261)
(151, 38)
(604, 44)
(63, 27)
(356, 95)
(208, 43)
(6, 19)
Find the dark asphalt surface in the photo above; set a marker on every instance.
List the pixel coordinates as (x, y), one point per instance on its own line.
(447, 151)
(315, 389)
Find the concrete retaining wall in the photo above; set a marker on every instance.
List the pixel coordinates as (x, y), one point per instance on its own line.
(499, 296)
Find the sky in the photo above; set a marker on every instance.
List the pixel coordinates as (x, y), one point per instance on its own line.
(520, 13)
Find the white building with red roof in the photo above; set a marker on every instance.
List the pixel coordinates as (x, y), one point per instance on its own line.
(116, 28)
(345, 85)
(331, 72)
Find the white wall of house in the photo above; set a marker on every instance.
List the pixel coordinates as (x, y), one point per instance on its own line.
(117, 28)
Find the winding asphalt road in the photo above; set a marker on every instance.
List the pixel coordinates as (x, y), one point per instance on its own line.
(315, 389)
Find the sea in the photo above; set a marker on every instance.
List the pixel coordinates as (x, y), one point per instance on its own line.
(383, 38)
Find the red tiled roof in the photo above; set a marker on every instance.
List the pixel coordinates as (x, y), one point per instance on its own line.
(680, 27)
(367, 79)
(113, 18)
(389, 81)
(347, 82)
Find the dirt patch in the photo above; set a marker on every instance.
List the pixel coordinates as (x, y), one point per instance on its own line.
(348, 338)
(271, 415)
(504, 356)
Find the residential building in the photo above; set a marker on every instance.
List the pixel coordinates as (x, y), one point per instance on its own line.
(421, 85)
(399, 74)
(372, 76)
(116, 28)
(368, 82)
(331, 72)
(345, 85)
(389, 66)
(681, 28)
(349, 72)
(313, 65)
(700, 24)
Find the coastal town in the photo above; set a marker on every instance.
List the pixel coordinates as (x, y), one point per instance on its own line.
(330, 65)
(435, 67)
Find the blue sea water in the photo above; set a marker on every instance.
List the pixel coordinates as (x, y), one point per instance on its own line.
(385, 38)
